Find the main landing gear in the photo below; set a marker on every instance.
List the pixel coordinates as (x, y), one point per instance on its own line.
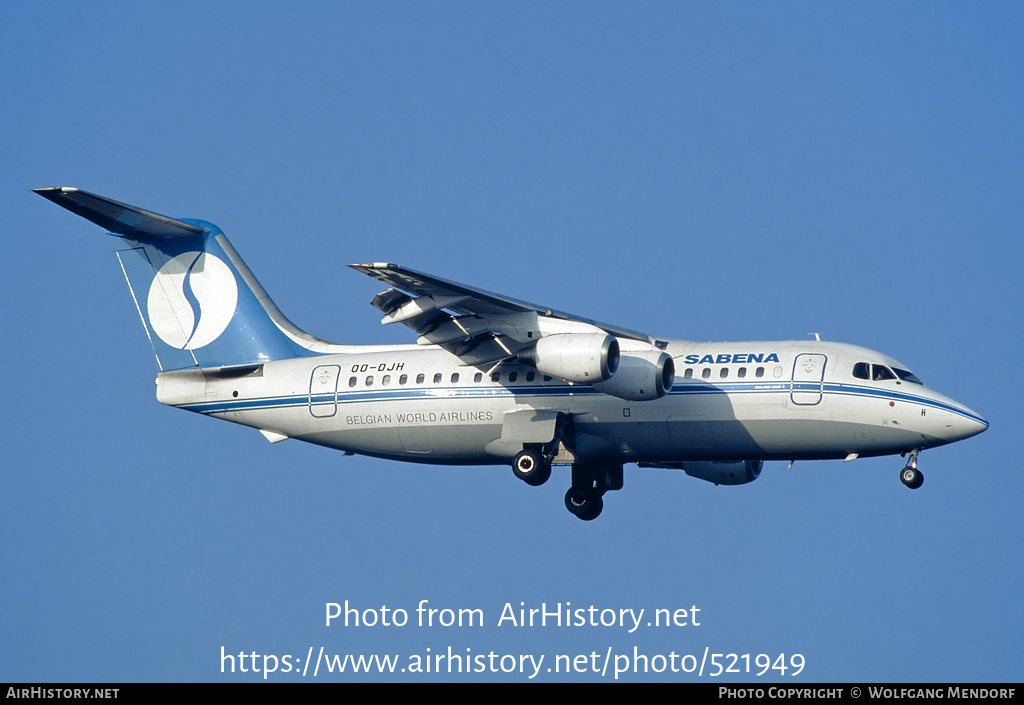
(532, 464)
(910, 475)
(532, 467)
(585, 498)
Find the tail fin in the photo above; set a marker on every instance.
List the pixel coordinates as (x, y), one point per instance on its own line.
(199, 303)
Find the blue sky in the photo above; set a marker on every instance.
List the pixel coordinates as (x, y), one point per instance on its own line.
(695, 170)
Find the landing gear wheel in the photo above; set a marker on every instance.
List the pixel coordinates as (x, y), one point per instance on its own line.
(530, 467)
(911, 477)
(583, 504)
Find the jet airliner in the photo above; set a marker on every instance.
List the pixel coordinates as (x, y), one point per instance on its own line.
(493, 380)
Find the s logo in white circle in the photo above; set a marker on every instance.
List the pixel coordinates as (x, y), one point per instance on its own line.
(191, 300)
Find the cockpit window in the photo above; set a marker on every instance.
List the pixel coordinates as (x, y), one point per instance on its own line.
(907, 375)
(880, 372)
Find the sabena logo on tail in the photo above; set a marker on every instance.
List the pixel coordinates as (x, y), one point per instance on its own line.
(192, 300)
(199, 303)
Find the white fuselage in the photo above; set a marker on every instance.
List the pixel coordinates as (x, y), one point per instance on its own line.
(730, 401)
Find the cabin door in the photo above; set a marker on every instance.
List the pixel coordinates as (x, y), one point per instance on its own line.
(808, 379)
(323, 391)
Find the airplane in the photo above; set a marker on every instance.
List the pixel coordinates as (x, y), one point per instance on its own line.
(493, 380)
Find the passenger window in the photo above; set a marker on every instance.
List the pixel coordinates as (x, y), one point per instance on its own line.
(369, 380)
(495, 376)
(478, 377)
(386, 380)
(513, 376)
(437, 378)
(420, 378)
(862, 370)
(351, 381)
(724, 373)
(547, 378)
(403, 379)
(759, 372)
(455, 377)
(742, 372)
(706, 374)
(530, 376)
(689, 373)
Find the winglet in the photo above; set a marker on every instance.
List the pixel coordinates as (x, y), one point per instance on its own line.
(120, 218)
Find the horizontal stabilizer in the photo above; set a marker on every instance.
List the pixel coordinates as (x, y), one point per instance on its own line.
(120, 218)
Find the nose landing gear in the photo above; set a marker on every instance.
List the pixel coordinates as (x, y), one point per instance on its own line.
(910, 475)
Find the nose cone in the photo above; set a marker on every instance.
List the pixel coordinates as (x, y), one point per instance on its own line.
(966, 423)
(961, 423)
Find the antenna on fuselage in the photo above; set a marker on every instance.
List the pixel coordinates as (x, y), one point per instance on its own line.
(817, 336)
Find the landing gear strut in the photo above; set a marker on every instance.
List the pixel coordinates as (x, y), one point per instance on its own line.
(910, 475)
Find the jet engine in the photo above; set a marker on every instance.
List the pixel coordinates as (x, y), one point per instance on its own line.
(729, 473)
(574, 357)
(642, 376)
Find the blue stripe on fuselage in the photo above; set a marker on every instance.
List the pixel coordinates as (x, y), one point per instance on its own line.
(558, 391)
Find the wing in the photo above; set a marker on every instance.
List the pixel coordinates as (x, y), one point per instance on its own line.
(477, 326)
